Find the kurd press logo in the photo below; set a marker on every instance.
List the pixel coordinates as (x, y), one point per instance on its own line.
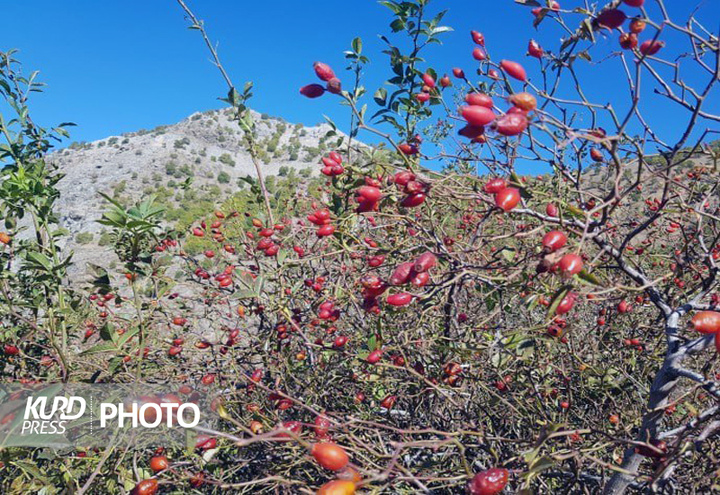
(74, 415)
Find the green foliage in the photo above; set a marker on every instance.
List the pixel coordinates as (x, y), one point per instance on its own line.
(28, 191)
(84, 237)
(223, 178)
(134, 229)
(105, 239)
(226, 159)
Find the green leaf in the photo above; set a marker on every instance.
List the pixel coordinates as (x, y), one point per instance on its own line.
(233, 97)
(391, 5)
(102, 279)
(575, 211)
(442, 29)
(539, 465)
(557, 299)
(40, 259)
(107, 332)
(330, 122)
(372, 343)
(122, 340)
(508, 254)
(102, 347)
(32, 470)
(397, 25)
(589, 277)
(114, 364)
(357, 45)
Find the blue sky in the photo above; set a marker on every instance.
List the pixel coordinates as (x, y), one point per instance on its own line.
(118, 66)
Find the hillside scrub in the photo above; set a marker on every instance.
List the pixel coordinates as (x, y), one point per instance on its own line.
(421, 318)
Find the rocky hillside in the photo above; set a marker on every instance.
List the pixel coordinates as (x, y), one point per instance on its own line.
(205, 149)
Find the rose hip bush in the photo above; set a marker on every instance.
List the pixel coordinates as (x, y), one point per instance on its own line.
(397, 329)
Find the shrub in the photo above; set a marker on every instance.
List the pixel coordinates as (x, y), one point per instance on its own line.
(440, 315)
(223, 178)
(84, 237)
(226, 159)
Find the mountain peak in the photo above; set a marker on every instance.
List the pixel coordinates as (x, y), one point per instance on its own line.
(206, 148)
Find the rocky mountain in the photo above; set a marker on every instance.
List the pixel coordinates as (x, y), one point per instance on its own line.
(206, 148)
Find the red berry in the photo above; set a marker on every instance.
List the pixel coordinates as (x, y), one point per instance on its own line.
(477, 115)
(511, 124)
(623, 307)
(514, 70)
(495, 185)
(336, 157)
(337, 487)
(424, 262)
(311, 91)
(402, 274)
(490, 482)
(330, 456)
(507, 198)
(475, 133)
(408, 149)
(523, 101)
(706, 322)
(159, 463)
(374, 356)
(651, 47)
(323, 71)
(388, 402)
(11, 350)
(628, 41)
(479, 54)
(146, 487)
(413, 200)
(325, 230)
(566, 304)
(534, 49)
(334, 86)
(477, 38)
(421, 279)
(637, 26)
(570, 264)
(611, 19)
(554, 240)
(340, 341)
(369, 193)
(428, 80)
(322, 426)
(479, 99)
(402, 178)
(401, 299)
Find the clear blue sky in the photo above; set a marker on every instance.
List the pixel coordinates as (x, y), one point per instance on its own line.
(118, 66)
